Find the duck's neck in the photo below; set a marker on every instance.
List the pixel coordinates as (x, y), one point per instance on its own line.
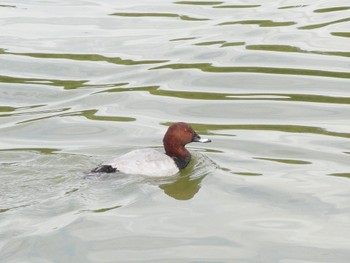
(179, 153)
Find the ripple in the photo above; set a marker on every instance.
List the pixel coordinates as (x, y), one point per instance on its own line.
(332, 9)
(182, 17)
(208, 67)
(247, 174)
(325, 24)
(26, 113)
(346, 175)
(230, 44)
(89, 114)
(292, 6)
(4, 210)
(222, 43)
(7, 109)
(208, 128)
(285, 161)
(237, 6)
(341, 34)
(182, 39)
(276, 224)
(66, 84)
(198, 3)
(210, 43)
(38, 150)
(261, 23)
(102, 210)
(9, 6)
(193, 95)
(88, 57)
(287, 48)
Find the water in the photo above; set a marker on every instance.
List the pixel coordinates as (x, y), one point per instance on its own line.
(267, 81)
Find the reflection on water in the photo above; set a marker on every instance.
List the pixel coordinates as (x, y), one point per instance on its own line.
(332, 9)
(197, 3)
(88, 57)
(40, 150)
(102, 210)
(325, 24)
(280, 48)
(185, 186)
(341, 174)
(89, 114)
(284, 161)
(182, 189)
(341, 34)
(261, 23)
(67, 84)
(267, 80)
(207, 67)
(237, 6)
(182, 17)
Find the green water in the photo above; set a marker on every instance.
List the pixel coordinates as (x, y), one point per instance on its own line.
(84, 81)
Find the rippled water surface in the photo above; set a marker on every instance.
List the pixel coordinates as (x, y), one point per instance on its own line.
(267, 81)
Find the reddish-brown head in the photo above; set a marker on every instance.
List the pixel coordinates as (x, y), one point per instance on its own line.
(179, 133)
(177, 136)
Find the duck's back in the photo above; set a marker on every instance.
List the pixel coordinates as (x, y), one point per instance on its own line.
(146, 162)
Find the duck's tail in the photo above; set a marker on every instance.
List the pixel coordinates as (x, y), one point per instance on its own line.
(104, 168)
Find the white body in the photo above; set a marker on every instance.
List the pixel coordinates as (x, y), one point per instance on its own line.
(147, 162)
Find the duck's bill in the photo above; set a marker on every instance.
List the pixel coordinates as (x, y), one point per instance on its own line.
(197, 138)
(204, 140)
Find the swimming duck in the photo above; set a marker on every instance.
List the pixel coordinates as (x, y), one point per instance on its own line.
(151, 162)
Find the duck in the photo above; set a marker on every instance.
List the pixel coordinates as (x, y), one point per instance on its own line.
(150, 162)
